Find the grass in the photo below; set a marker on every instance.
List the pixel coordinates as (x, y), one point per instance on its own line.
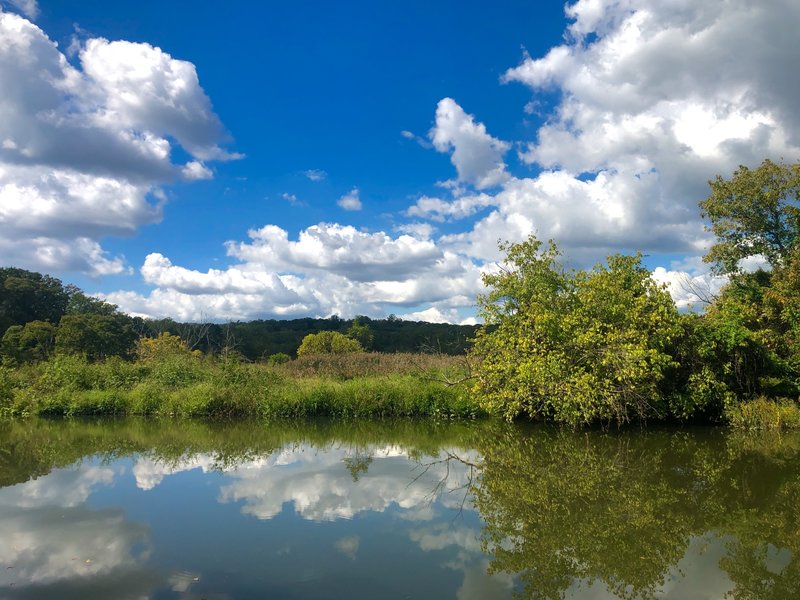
(764, 414)
(183, 385)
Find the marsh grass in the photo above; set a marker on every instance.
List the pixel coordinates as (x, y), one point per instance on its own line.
(764, 414)
(185, 385)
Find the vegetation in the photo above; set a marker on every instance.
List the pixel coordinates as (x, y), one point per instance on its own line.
(169, 380)
(328, 342)
(608, 345)
(575, 346)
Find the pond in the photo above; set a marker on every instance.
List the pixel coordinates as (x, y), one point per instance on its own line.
(187, 509)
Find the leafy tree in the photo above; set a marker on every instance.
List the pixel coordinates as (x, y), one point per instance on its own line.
(757, 211)
(96, 336)
(328, 342)
(361, 333)
(27, 296)
(81, 304)
(31, 342)
(164, 346)
(574, 346)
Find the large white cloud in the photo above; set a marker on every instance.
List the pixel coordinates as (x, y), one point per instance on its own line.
(476, 155)
(329, 269)
(84, 150)
(651, 100)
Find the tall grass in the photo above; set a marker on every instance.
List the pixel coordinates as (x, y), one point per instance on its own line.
(764, 414)
(361, 385)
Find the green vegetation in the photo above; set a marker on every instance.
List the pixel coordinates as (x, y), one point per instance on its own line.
(575, 346)
(328, 342)
(620, 511)
(608, 345)
(169, 380)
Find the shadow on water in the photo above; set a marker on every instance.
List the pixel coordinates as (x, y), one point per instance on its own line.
(660, 513)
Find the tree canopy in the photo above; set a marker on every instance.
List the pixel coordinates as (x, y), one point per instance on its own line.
(328, 342)
(755, 212)
(574, 346)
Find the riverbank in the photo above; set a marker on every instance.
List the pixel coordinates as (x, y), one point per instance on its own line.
(356, 385)
(353, 385)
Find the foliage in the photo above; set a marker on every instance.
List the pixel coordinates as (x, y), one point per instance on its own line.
(327, 342)
(755, 212)
(763, 413)
(161, 347)
(27, 296)
(278, 358)
(185, 384)
(574, 346)
(96, 336)
(361, 333)
(31, 342)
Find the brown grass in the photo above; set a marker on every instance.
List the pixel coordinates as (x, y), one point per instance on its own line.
(371, 364)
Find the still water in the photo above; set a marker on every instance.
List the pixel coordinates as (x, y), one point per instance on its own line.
(185, 509)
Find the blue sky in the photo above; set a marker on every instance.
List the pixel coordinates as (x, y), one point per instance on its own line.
(248, 160)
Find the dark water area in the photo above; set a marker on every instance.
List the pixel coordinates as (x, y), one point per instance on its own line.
(193, 510)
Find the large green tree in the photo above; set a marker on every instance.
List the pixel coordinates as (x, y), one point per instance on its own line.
(574, 346)
(96, 336)
(328, 342)
(27, 296)
(755, 212)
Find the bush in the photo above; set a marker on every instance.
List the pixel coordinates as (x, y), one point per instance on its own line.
(764, 414)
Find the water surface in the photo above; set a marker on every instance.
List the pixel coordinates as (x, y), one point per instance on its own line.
(184, 509)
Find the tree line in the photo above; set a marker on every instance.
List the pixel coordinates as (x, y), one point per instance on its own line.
(41, 317)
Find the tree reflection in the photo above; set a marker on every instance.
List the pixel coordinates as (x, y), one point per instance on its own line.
(566, 510)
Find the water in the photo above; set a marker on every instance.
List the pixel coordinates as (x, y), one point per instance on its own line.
(182, 509)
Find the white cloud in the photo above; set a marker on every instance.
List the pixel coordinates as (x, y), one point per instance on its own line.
(421, 231)
(653, 105)
(85, 150)
(29, 8)
(409, 135)
(476, 155)
(195, 169)
(292, 199)
(329, 269)
(315, 174)
(350, 201)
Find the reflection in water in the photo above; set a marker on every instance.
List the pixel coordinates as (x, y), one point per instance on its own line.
(658, 514)
(363, 510)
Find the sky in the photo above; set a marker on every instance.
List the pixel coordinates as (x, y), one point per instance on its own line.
(247, 160)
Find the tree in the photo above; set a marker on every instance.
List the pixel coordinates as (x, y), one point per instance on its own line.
(31, 342)
(755, 212)
(361, 333)
(327, 342)
(573, 346)
(164, 346)
(27, 296)
(96, 336)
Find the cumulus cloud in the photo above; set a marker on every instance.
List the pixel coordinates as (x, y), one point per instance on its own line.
(350, 201)
(329, 269)
(476, 155)
(651, 100)
(656, 99)
(84, 151)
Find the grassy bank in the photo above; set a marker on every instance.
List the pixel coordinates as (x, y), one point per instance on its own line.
(354, 385)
